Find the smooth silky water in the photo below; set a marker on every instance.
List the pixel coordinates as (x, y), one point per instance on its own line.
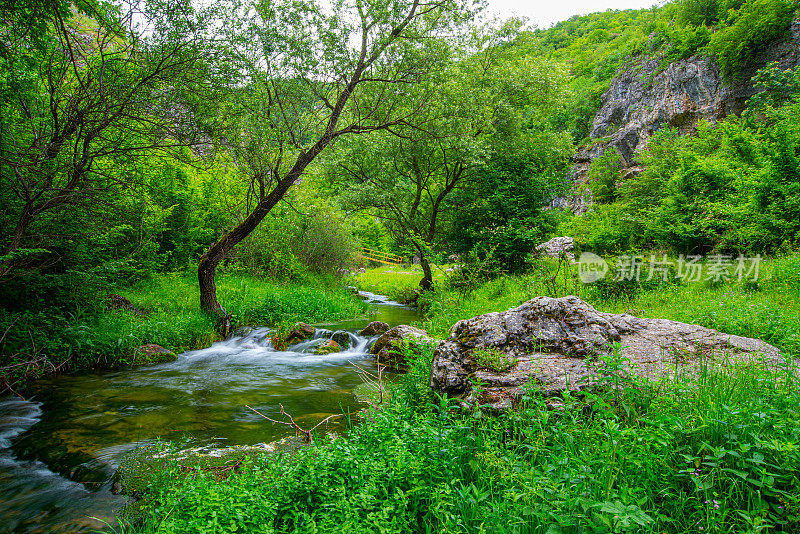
(59, 448)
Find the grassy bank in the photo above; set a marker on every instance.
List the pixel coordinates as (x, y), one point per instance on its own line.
(400, 283)
(714, 454)
(39, 343)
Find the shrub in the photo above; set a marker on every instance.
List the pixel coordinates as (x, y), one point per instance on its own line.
(288, 244)
(604, 174)
(755, 24)
(493, 359)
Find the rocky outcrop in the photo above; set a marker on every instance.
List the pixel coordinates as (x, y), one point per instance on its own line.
(374, 328)
(556, 345)
(300, 332)
(556, 247)
(645, 97)
(387, 347)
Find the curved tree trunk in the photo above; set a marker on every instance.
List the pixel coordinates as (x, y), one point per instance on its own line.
(207, 268)
(426, 284)
(369, 55)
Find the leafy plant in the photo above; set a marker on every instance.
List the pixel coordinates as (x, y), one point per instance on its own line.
(493, 359)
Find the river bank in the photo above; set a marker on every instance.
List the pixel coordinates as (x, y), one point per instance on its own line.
(61, 446)
(711, 451)
(767, 309)
(165, 311)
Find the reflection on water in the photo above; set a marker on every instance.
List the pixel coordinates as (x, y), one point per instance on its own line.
(68, 440)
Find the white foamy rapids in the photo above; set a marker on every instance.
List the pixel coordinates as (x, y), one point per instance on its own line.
(380, 299)
(256, 348)
(16, 416)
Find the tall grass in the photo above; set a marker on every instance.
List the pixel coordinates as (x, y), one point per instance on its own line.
(398, 282)
(768, 309)
(250, 300)
(710, 452)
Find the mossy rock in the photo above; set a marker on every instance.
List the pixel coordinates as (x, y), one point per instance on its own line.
(151, 354)
(329, 347)
(299, 332)
(342, 338)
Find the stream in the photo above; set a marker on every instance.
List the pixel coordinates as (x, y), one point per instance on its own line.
(59, 448)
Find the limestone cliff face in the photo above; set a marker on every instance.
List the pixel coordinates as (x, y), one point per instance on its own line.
(643, 99)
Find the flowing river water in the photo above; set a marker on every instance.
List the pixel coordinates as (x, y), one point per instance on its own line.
(59, 448)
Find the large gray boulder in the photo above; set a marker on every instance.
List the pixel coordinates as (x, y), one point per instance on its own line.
(557, 247)
(387, 347)
(556, 344)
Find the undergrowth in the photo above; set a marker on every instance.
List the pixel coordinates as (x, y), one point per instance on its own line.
(710, 453)
(398, 282)
(768, 308)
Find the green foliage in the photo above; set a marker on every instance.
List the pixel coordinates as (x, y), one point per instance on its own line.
(777, 87)
(709, 451)
(606, 229)
(732, 187)
(475, 269)
(604, 174)
(399, 283)
(493, 359)
(766, 309)
(309, 237)
(504, 208)
(755, 24)
(697, 12)
(92, 337)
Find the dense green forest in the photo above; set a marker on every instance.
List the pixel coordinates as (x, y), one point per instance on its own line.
(166, 178)
(128, 152)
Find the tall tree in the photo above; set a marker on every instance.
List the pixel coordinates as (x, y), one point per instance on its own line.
(84, 91)
(406, 178)
(421, 182)
(316, 74)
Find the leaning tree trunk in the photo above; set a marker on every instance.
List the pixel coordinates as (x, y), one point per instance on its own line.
(216, 253)
(426, 284)
(207, 268)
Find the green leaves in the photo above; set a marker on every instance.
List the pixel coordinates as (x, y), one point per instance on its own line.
(623, 516)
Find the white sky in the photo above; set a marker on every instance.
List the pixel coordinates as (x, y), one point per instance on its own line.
(544, 13)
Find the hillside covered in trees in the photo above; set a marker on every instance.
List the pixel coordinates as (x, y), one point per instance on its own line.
(173, 171)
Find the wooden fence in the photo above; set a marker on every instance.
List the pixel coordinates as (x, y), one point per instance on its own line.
(380, 257)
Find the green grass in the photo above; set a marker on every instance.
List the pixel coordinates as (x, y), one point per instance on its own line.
(714, 453)
(710, 453)
(399, 283)
(250, 301)
(95, 338)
